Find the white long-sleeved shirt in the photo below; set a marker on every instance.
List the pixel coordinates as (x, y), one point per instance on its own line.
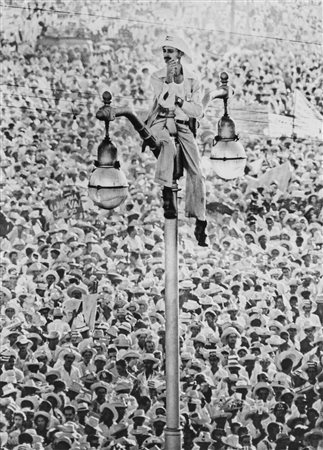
(192, 105)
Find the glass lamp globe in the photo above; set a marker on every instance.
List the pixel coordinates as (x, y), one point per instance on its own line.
(229, 159)
(108, 187)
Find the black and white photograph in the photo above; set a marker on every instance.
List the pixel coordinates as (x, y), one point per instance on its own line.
(161, 225)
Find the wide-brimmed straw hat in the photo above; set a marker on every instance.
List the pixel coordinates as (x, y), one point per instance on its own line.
(179, 43)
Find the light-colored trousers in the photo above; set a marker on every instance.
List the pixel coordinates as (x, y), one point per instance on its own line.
(195, 180)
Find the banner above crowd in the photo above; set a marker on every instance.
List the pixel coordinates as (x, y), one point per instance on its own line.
(306, 122)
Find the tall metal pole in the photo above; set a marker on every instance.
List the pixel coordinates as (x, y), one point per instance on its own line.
(172, 431)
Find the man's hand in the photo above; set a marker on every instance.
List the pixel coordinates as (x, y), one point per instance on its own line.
(171, 67)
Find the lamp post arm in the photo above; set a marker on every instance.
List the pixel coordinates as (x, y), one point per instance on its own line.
(108, 113)
(140, 127)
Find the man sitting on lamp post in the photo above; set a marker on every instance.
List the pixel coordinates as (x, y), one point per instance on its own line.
(177, 100)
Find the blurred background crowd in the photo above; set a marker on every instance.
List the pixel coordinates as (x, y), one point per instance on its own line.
(82, 324)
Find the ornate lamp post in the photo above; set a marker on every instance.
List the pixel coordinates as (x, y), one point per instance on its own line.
(228, 153)
(108, 189)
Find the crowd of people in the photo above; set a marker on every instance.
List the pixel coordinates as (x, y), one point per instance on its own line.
(82, 310)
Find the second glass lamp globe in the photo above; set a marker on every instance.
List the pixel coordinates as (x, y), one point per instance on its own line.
(230, 159)
(108, 187)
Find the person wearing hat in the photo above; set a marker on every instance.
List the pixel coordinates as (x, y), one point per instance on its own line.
(18, 427)
(230, 339)
(59, 324)
(280, 411)
(158, 423)
(101, 390)
(69, 373)
(203, 440)
(231, 442)
(138, 419)
(177, 100)
(210, 326)
(282, 441)
(69, 412)
(9, 357)
(319, 307)
(24, 353)
(269, 441)
(11, 312)
(306, 344)
(86, 365)
(42, 421)
(93, 431)
(314, 439)
(82, 412)
(214, 371)
(108, 417)
(149, 375)
(307, 316)
(51, 348)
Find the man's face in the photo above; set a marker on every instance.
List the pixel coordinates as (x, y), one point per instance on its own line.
(2, 270)
(171, 54)
(99, 364)
(10, 283)
(69, 415)
(44, 253)
(101, 392)
(10, 312)
(120, 368)
(262, 240)
(232, 339)
(52, 343)
(18, 421)
(311, 372)
(40, 422)
(87, 355)
(50, 279)
(210, 318)
(280, 413)
(263, 394)
(69, 359)
(292, 332)
(217, 277)
(150, 346)
(310, 333)
(13, 257)
(214, 360)
(195, 331)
